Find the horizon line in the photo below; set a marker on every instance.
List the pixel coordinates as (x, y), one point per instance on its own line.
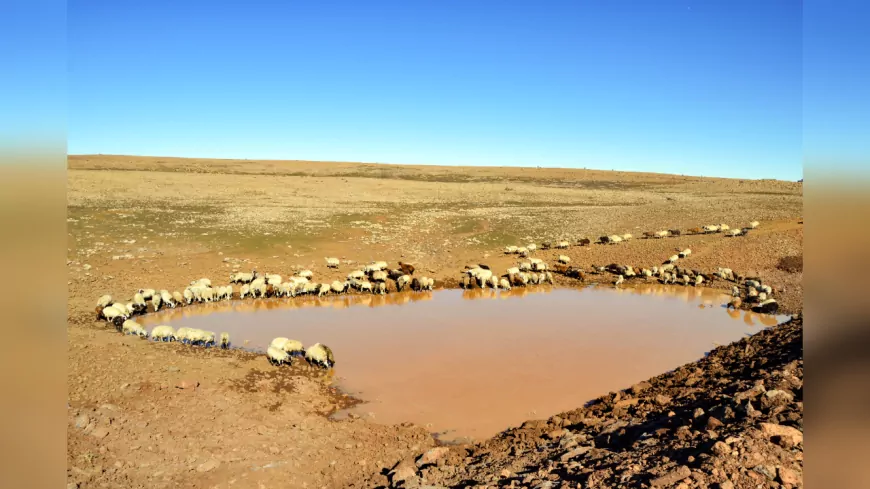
(536, 167)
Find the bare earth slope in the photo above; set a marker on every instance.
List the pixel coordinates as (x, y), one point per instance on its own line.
(163, 415)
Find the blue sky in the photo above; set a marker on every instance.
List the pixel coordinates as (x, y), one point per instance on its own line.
(676, 86)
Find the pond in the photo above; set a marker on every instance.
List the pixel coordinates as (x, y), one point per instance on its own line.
(469, 364)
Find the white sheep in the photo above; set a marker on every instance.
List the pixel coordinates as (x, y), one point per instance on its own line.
(188, 295)
(504, 284)
(276, 356)
(685, 253)
(163, 333)
(244, 291)
(626, 236)
(482, 278)
(662, 234)
(306, 274)
(673, 259)
(258, 290)
(292, 347)
(167, 299)
(242, 277)
(356, 275)
(513, 271)
(564, 259)
(532, 247)
(646, 272)
(733, 232)
(273, 280)
(365, 285)
(147, 293)
(132, 327)
(699, 280)
(104, 301)
(523, 251)
(379, 276)
(525, 266)
(562, 245)
(225, 340)
(493, 281)
(381, 288)
(619, 280)
(402, 282)
(208, 294)
(724, 227)
(615, 239)
(429, 283)
(321, 355)
(177, 297)
(130, 309)
(323, 290)
(711, 228)
(338, 287)
(510, 250)
(332, 262)
(753, 224)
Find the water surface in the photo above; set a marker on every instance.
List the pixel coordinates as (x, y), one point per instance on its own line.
(473, 363)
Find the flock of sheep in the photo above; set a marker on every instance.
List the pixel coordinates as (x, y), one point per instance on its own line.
(372, 278)
(525, 251)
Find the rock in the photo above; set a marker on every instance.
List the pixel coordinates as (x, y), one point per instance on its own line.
(574, 453)
(207, 466)
(640, 387)
(788, 476)
(751, 411)
(749, 393)
(505, 473)
(725, 485)
(72, 485)
(662, 399)
(721, 449)
(173, 369)
(713, 423)
(432, 456)
(82, 421)
(778, 430)
(402, 471)
(671, 477)
(765, 470)
(187, 384)
(698, 413)
(556, 434)
(100, 432)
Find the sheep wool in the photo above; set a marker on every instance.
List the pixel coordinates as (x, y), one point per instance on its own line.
(177, 297)
(504, 284)
(104, 301)
(276, 356)
(319, 354)
(332, 262)
(163, 333)
(564, 259)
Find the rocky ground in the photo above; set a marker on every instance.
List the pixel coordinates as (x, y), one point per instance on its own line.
(163, 415)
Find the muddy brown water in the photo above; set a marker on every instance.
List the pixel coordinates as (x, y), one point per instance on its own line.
(469, 364)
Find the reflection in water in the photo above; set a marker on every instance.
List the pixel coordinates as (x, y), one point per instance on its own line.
(478, 366)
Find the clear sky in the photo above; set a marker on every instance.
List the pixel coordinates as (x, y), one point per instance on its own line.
(676, 86)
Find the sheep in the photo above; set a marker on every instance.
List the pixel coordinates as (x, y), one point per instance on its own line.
(547, 277)
(513, 271)
(132, 327)
(177, 298)
(338, 287)
(572, 272)
(258, 290)
(332, 262)
(291, 347)
(672, 259)
(320, 355)
(504, 284)
(675, 232)
(366, 286)
(204, 282)
(163, 333)
(733, 232)
(189, 296)
(767, 289)
(699, 279)
(546, 245)
(626, 237)
(182, 334)
(753, 224)
(381, 288)
(416, 284)
(167, 299)
(465, 282)
(686, 279)
(646, 273)
(564, 259)
(323, 289)
(619, 280)
(510, 250)
(130, 310)
(604, 240)
(560, 268)
(766, 307)
(483, 277)
(724, 227)
(584, 242)
(684, 253)
(539, 266)
(406, 268)
(156, 302)
(356, 275)
(147, 293)
(139, 302)
(735, 291)
(244, 291)
(711, 228)
(208, 338)
(694, 231)
(310, 288)
(534, 278)
(561, 245)
(734, 304)
(104, 301)
(228, 292)
(662, 234)
(273, 280)
(525, 266)
(208, 294)
(379, 276)
(523, 251)
(402, 282)
(306, 274)
(276, 356)
(243, 278)
(531, 247)
(649, 234)
(225, 340)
